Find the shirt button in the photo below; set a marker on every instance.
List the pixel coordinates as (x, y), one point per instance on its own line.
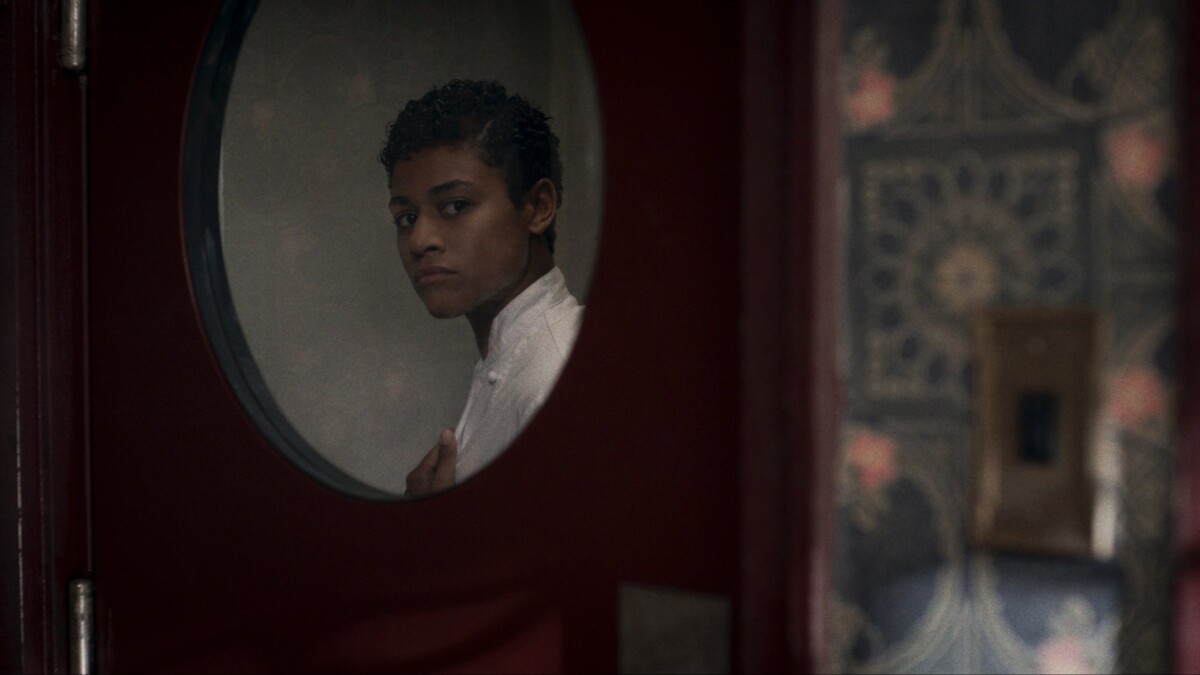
(492, 377)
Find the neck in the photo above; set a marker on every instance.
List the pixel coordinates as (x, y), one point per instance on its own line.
(540, 262)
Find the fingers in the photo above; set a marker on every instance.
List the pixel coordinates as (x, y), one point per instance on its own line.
(418, 480)
(435, 471)
(447, 448)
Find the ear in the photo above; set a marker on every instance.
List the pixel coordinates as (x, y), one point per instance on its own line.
(542, 202)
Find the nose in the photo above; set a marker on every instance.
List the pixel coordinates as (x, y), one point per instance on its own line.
(424, 237)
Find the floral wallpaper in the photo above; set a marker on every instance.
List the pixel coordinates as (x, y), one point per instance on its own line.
(1001, 152)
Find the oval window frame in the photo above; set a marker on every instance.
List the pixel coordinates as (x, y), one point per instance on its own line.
(206, 263)
(208, 272)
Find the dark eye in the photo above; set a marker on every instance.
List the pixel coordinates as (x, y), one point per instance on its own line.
(405, 221)
(455, 207)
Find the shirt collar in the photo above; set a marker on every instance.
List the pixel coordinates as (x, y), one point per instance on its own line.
(512, 323)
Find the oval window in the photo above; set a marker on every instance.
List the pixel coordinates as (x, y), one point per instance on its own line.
(349, 356)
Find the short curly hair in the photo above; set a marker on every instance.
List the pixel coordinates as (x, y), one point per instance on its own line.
(509, 132)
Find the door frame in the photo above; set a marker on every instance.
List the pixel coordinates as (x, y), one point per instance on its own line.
(791, 397)
(44, 539)
(1186, 619)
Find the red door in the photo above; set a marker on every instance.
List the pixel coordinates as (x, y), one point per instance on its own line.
(214, 553)
(686, 445)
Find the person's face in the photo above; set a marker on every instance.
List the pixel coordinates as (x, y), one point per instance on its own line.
(464, 244)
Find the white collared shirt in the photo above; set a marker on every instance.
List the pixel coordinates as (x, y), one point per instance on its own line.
(529, 342)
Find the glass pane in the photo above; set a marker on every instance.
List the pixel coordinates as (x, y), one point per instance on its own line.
(332, 352)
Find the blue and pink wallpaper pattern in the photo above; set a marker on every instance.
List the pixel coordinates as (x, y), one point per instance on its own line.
(1001, 152)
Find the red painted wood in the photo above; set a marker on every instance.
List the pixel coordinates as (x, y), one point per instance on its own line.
(1187, 588)
(791, 405)
(44, 542)
(195, 511)
(16, 174)
(629, 473)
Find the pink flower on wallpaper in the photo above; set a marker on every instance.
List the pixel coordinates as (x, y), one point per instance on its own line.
(1063, 654)
(873, 101)
(1137, 159)
(874, 455)
(1136, 396)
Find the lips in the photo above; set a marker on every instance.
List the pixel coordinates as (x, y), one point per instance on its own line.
(427, 276)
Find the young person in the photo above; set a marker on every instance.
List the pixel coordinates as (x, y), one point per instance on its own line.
(476, 183)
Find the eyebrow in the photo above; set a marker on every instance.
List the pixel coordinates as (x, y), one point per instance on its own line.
(434, 191)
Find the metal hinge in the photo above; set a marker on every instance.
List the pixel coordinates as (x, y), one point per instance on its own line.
(82, 631)
(74, 34)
